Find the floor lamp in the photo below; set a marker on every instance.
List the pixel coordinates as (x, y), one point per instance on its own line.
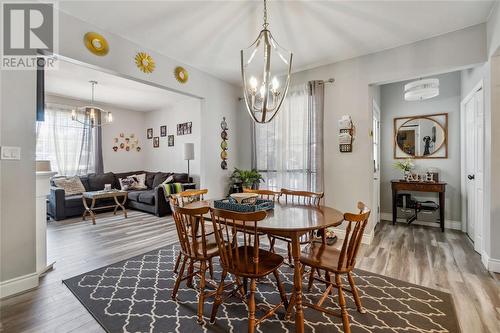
(188, 153)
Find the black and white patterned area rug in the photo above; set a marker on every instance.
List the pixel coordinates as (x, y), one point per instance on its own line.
(134, 295)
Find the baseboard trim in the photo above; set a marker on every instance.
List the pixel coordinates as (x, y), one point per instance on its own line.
(18, 285)
(366, 239)
(448, 224)
(493, 265)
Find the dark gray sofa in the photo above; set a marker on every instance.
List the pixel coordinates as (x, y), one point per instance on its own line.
(151, 200)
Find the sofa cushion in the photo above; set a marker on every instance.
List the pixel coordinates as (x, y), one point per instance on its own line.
(181, 178)
(97, 181)
(85, 182)
(147, 197)
(134, 195)
(150, 177)
(160, 177)
(71, 185)
(73, 201)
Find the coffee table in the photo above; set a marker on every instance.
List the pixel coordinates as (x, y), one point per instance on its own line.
(96, 195)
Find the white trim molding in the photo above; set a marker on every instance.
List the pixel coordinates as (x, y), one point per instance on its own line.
(493, 265)
(366, 239)
(18, 285)
(448, 224)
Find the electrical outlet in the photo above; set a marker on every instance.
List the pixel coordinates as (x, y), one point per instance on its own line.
(10, 153)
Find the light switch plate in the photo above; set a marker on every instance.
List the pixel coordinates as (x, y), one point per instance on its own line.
(10, 153)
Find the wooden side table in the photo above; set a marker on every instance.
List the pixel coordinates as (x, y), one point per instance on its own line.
(96, 195)
(401, 185)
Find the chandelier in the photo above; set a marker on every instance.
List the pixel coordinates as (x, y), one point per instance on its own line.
(92, 115)
(421, 89)
(264, 67)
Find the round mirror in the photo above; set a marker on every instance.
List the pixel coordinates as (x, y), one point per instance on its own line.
(420, 137)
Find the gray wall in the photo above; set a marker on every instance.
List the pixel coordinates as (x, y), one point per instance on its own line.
(393, 105)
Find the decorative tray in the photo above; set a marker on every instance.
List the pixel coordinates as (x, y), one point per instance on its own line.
(229, 204)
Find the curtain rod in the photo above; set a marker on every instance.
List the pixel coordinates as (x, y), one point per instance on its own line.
(330, 80)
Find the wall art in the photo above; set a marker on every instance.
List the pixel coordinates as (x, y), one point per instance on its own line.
(181, 74)
(170, 140)
(184, 128)
(223, 145)
(156, 142)
(145, 62)
(96, 43)
(163, 130)
(125, 142)
(150, 133)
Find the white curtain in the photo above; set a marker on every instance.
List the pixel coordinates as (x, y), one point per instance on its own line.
(282, 148)
(66, 143)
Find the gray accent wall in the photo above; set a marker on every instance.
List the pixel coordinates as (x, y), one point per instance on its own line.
(392, 106)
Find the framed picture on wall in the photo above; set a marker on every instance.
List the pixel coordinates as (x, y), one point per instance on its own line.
(150, 133)
(184, 128)
(163, 130)
(156, 142)
(170, 140)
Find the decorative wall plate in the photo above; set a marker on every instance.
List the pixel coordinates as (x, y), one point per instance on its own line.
(138, 148)
(181, 75)
(145, 62)
(223, 154)
(223, 144)
(96, 43)
(223, 165)
(223, 135)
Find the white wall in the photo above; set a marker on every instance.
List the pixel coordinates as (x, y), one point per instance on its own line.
(348, 176)
(171, 159)
(392, 106)
(124, 121)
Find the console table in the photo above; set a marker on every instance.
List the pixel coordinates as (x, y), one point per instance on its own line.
(436, 187)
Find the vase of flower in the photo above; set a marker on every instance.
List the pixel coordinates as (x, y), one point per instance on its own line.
(405, 166)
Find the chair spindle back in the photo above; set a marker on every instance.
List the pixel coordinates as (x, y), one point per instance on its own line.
(190, 224)
(237, 238)
(264, 194)
(302, 197)
(353, 235)
(188, 196)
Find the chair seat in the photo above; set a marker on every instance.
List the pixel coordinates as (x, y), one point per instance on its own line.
(212, 248)
(268, 263)
(323, 257)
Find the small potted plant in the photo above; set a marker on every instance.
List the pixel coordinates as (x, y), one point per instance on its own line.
(246, 178)
(406, 166)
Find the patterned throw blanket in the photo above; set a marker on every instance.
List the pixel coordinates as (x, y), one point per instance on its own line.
(171, 188)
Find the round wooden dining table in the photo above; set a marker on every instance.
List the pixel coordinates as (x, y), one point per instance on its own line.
(293, 221)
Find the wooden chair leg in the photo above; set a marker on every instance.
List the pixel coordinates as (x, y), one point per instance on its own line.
(342, 305)
(177, 262)
(241, 288)
(189, 282)
(355, 293)
(201, 297)
(290, 307)
(290, 260)
(311, 279)
(179, 278)
(272, 240)
(281, 289)
(218, 297)
(251, 306)
(211, 268)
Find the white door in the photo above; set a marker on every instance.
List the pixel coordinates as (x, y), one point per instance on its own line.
(376, 161)
(474, 166)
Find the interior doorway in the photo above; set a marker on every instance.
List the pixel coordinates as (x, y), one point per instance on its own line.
(472, 114)
(376, 160)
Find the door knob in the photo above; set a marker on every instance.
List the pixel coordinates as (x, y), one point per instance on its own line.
(471, 177)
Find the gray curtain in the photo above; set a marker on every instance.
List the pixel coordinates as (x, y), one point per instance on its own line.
(316, 105)
(98, 160)
(90, 159)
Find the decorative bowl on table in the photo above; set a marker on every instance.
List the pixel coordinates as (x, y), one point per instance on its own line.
(245, 198)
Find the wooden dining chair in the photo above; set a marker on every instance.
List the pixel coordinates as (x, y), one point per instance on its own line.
(196, 247)
(306, 198)
(241, 256)
(338, 262)
(264, 194)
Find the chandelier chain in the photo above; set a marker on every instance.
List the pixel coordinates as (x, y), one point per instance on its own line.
(265, 25)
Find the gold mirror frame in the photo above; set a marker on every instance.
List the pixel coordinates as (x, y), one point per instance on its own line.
(432, 117)
(91, 38)
(181, 74)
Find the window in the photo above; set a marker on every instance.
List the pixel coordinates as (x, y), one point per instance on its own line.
(284, 147)
(67, 144)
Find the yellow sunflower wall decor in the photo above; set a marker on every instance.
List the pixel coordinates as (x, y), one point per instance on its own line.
(145, 62)
(96, 43)
(181, 74)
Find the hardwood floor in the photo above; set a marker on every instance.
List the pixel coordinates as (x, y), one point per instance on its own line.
(416, 254)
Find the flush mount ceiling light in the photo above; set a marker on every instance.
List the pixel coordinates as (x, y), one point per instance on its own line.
(260, 65)
(92, 115)
(421, 89)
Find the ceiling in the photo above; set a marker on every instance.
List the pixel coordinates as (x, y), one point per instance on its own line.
(208, 35)
(72, 81)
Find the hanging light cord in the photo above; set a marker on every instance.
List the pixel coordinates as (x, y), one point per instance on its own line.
(265, 25)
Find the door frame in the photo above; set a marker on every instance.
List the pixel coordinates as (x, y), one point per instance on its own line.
(376, 109)
(463, 186)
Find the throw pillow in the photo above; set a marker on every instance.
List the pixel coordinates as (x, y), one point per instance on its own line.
(133, 182)
(71, 185)
(168, 180)
(141, 181)
(127, 183)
